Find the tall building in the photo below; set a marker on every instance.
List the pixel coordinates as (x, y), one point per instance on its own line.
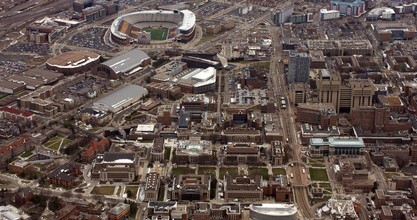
(282, 15)
(345, 95)
(348, 7)
(298, 67)
(328, 86)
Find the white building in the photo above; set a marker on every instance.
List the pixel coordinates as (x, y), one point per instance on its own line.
(273, 211)
(329, 14)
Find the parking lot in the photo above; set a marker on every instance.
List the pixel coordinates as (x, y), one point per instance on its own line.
(40, 49)
(90, 38)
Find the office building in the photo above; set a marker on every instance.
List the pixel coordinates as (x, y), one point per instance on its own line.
(298, 67)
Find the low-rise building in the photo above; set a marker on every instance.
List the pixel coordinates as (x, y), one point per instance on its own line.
(119, 211)
(194, 151)
(13, 149)
(191, 187)
(317, 114)
(158, 150)
(152, 186)
(241, 153)
(309, 131)
(161, 210)
(65, 175)
(17, 114)
(353, 174)
(207, 211)
(243, 188)
(349, 146)
(278, 187)
(94, 147)
(115, 167)
(66, 212)
(277, 153)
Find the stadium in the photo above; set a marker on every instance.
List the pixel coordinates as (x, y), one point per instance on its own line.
(153, 25)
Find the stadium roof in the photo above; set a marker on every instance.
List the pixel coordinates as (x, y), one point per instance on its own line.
(188, 21)
(127, 61)
(123, 96)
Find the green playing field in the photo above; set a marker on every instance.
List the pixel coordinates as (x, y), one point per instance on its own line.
(157, 34)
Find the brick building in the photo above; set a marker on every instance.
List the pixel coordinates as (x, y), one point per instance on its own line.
(94, 147)
(119, 211)
(317, 114)
(152, 186)
(243, 188)
(65, 176)
(241, 153)
(191, 187)
(158, 150)
(115, 167)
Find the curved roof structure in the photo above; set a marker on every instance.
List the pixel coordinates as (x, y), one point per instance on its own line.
(273, 210)
(73, 59)
(185, 19)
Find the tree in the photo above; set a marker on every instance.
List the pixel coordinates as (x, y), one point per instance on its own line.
(213, 186)
(39, 200)
(54, 204)
(129, 193)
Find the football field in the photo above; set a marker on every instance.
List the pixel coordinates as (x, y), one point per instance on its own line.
(157, 34)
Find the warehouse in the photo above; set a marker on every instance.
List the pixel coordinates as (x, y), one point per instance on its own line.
(124, 64)
(120, 99)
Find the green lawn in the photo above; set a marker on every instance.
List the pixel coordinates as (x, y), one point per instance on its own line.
(264, 65)
(389, 175)
(279, 171)
(167, 153)
(317, 165)
(258, 171)
(4, 182)
(181, 170)
(318, 174)
(56, 142)
(133, 189)
(103, 190)
(157, 33)
(161, 193)
(27, 154)
(229, 170)
(207, 170)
